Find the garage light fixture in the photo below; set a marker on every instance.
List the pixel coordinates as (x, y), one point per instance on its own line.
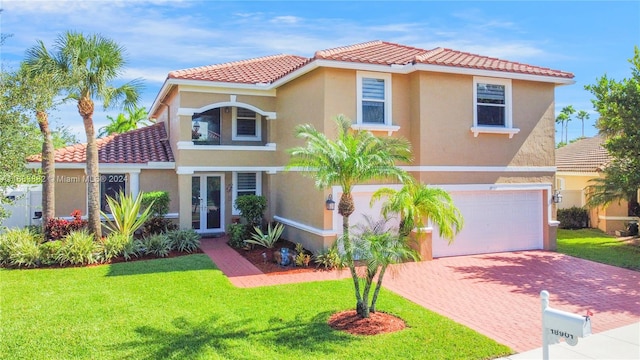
(557, 197)
(330, 204)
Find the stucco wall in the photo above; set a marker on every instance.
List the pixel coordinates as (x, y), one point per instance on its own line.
(162, 180)
(70, 191)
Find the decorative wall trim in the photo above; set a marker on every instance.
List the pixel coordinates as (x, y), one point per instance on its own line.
(303, 227)
(189, 145)
(422, 168)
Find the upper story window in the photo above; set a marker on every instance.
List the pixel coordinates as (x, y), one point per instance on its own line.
(245, 183)
(492, 106)
(246, 125)
(374, 98)
(205, 128)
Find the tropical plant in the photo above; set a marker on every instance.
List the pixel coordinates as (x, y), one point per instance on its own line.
(87, 66)
(157, 245)
(132, 248)
(156, 225)
(125, 212)
(112, 246)
(378, 246)
(329, 258)
(417, 205)
(582, 116)
(184, 240)
(237, 234)
(267, 239)
(355, 157)
(19, 247)
(123, 123)
(251, 208)
(49, 252)
(58, 228)
(78, 248)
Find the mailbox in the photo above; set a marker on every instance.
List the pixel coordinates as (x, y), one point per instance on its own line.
(558, 324)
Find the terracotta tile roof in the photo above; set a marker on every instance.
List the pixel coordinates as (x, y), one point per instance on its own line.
(372, 52)
(253, 71)
(448, 57)
(586, 155)
(140, 146)
(270, 68)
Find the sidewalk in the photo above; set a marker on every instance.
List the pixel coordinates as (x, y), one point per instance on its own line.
(620, 343)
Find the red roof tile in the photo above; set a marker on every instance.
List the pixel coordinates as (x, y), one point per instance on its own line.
(270, 68)
(586, 155)
(253, 71)
(373, 52)
(140, 146)
(448, 57)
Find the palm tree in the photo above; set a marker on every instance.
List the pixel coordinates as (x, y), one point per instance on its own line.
(88, 65)
(123, 123)
(355, 157)
(561, 119)
(379, 246)
(568, 111)
(582, 115)
(41, 89)
(418, 204)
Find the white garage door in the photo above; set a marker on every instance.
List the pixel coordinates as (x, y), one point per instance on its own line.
(495, 221)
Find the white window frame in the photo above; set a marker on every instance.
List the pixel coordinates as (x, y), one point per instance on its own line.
(508, 108)
(234, 127)
(388, 121)
(234, 193)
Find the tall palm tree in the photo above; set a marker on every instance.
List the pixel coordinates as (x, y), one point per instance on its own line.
(418, 204)
(89, 65)
(568, 111)
(123, 123)
(355, 157)
(582, 115)
(42, 87)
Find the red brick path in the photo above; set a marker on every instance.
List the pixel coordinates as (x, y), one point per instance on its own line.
(497, 295)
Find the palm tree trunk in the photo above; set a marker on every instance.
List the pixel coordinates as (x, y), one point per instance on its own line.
(365, 294)
(377, 290)
(348, 249)
(48, 169)
(85, 108)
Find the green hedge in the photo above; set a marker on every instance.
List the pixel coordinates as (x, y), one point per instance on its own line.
(573, 218)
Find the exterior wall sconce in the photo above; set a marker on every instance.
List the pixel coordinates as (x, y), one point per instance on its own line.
(557, 197)
(330, 204)
(196, 125)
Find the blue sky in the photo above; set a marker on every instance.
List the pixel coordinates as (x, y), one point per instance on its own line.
(589, 39)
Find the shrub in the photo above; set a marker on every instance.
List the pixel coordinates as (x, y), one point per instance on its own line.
(157, 225)
(125, 213)
(329, 258)
(112, 246)
(237, 234)
(573, 218)
(20, 248)
(267, 240)
(157, 201)
(157, 245)
(49, 252)
(78, 248)
(251, 208)
(133, 248)
(302, 259)
(186, 240)
(57, 228)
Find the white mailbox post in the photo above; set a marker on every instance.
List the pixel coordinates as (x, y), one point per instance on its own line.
(558, 324)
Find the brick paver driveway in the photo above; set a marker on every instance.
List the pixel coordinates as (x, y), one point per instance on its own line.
(498, 295)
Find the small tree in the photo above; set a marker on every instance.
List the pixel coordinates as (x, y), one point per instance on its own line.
(252, 208)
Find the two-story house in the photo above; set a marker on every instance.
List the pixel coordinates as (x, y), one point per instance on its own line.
(481, 128)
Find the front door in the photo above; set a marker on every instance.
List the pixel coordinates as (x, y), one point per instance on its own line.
(207, 202)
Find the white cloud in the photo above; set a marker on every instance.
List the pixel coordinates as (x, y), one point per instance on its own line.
(285, 19)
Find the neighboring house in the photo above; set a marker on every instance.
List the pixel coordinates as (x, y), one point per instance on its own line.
(481, 128)
(577, 164)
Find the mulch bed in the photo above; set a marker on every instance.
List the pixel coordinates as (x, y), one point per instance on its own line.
(377, 323)
(268, 266)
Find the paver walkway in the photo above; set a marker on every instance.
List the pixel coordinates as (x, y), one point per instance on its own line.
(494, 294)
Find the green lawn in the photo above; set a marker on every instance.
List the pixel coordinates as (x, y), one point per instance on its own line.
(184, 308)
(597, 246)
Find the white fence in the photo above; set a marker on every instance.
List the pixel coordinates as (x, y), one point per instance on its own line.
(27, 203)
